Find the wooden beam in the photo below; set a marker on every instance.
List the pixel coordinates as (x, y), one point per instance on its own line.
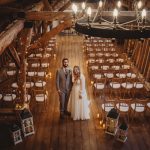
(25, 40)
(10, 34)
(37, 7)
(66, 5)
(4, 2)
(47, 6)
(45, 38)
(14, 55)
(8, 10)
(6, 82)
(46, 15)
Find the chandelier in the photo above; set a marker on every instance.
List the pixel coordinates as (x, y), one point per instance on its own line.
(112, 24)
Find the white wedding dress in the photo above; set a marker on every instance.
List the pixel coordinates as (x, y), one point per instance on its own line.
(79, 107)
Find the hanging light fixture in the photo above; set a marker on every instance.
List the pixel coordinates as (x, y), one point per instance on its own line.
(114, 24)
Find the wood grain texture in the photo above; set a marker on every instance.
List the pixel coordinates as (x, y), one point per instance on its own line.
(10, 34)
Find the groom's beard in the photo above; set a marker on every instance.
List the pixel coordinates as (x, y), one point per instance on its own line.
(65, 66)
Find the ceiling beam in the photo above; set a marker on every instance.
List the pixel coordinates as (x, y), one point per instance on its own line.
(11, 31)
(47, 5)
(48, 35)
(14, 55)
(4, 2)
(8, 10)
(10, 34)
(37, 7)
(66, 5)
(45, 15)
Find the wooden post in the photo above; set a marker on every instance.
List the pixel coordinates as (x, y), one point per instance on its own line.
(25, 42)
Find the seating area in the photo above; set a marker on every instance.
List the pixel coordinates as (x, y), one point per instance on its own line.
(38, 67)
(116, 83)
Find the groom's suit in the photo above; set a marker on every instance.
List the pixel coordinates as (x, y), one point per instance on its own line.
(64, 84)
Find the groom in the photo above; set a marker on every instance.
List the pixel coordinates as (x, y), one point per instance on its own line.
(64, 85)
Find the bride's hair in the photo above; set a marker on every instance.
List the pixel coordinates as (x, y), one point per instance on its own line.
(77, 67)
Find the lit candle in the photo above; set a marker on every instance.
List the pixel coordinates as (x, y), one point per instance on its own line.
(83, 5)
(92, 82)
(87, 62)
(115, 13)
(139, 5)
(143, 14)
(119, 4)
(100, 4)
(104, 126)
(89, 11)
(50, 74)
(74, 8)
(101, 121)
(97, 115)
(54, 56)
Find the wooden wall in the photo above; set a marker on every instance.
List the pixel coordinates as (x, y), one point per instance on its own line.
(139, 52)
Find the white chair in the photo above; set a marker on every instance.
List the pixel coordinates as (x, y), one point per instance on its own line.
(41, 97)
(123, 106)
(99, 86)
(9, 97)
(106, 106)
(11, 72)
(138, 106)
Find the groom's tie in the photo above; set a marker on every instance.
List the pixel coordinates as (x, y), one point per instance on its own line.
(66, 72)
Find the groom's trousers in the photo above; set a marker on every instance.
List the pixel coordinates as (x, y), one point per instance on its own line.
(64, 98)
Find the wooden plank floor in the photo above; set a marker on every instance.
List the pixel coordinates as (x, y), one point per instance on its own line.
(51, 133)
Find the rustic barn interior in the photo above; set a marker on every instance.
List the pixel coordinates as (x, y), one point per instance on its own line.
(35, 35)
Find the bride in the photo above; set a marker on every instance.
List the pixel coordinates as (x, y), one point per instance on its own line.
(79, 104)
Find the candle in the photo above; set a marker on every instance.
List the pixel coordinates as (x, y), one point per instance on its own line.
(50, 74)
(104, 126)
(54, 56)
(92, 82)
(101, 121)
(87, 62)
(97, 115)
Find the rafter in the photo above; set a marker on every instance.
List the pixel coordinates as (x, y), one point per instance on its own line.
(8, 10)
(14, 55)
(66, 5)
(4, 2)
(45, 15)
(45, 38)
(47, 6)
(25, 39)
(10, 34)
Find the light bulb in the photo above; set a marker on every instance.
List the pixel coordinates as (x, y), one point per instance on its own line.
(119, 4)
(74, 8)
(89, 11)
(100, 4)
(139, 5)
(83, 5)
(143, 13)
(115, 12)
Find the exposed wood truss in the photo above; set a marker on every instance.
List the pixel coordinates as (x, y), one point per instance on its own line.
(7, 10)
(25, 40)
(10, 34)
(14, 54)
(45, 38)
(66, 5)
(47, 6)
(46, 15)
(3, 2)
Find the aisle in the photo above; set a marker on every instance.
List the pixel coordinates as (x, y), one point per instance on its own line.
(70, 134)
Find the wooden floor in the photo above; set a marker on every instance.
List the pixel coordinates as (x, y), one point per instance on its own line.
(51, 133)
